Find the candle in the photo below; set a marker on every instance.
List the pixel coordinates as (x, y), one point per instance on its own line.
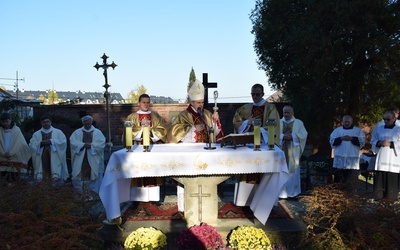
(128, 136)
(257, 136)
(146, 136)
(271, 135)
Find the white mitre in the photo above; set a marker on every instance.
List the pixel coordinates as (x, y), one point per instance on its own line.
(196, 91)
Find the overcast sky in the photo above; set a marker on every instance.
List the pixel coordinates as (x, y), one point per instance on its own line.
(55, 44)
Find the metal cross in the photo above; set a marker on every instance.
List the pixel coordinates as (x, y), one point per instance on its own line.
(200, 195)
(105, 66)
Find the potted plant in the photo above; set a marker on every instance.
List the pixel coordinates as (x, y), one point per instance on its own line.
(201, 236)
(248, 237)
(148, 238)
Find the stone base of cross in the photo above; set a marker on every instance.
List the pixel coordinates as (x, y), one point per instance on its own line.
(201, 199)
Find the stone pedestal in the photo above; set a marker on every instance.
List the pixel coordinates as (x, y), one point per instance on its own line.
(201, 199)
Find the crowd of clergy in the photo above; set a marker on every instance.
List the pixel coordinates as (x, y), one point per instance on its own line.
(48, 146)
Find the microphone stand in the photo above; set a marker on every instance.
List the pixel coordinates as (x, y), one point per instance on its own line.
(210, 131)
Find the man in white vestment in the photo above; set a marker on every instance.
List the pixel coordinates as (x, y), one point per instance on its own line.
(87, 156)
(14, 151)
(385, 143)
(191, 126)
(396, 114)
(48, 148)
(293, 137)
(347, 141)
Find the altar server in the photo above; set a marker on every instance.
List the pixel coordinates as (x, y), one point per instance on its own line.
(347, 141)
(386, 143)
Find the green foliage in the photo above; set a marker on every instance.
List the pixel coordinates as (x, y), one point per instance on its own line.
(330, 58)
(133, 96)
(45, 216)
(192, 79)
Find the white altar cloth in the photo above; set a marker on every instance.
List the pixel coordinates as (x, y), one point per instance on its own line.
(193, 160)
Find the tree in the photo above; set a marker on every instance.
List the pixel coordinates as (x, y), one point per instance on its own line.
(52, 97)
(330, 58)
(192, 79)
(133, 96)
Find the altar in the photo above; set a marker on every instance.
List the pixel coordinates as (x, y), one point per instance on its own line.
(200, 171)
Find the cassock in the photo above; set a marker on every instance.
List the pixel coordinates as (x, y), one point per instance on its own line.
(347, 153)
(183, 130)
(387, 165)
(49, 161)
(147, 189)
(247, 184)
(13, 142)
(293, 151)
(87, 163)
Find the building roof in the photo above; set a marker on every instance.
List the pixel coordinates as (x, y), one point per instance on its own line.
(81, 97)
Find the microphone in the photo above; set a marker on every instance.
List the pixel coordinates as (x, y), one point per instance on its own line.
(200, 113)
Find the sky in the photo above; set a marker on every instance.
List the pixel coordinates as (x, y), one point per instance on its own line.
(55, 45)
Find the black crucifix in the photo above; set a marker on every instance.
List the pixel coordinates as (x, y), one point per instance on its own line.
(105, 66)
(207, 85)
(200, 195)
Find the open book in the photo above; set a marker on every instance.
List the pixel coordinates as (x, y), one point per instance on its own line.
(236, 139)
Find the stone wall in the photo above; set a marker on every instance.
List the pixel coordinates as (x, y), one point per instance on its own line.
(67, 117)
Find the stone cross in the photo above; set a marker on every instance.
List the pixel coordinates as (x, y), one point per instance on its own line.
(207, 85)
(200, 196)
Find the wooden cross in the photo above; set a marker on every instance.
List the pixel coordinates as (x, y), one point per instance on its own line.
(200, 195)
(207, 85)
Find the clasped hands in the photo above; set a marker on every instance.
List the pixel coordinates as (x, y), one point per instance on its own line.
(346, 138)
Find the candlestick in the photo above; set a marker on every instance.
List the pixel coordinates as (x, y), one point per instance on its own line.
(128, 135)
(271, 133)
(257, 134)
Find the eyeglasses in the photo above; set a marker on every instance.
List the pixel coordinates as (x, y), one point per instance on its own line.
(256, 94)
(387, 119)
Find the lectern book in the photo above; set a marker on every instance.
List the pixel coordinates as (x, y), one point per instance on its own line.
(236, 139)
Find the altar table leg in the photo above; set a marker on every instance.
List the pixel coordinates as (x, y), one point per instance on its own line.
(201, 199)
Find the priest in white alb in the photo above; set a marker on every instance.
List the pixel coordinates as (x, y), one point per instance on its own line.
(49, 148)
(87, 156)
(293, 137)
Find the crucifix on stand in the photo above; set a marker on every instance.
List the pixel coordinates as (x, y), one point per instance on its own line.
(105, 66)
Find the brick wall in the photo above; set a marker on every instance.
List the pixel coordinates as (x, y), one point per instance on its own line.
(67, 117)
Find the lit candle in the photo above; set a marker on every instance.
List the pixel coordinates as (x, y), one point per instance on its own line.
(146, 136)
(128, 136)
